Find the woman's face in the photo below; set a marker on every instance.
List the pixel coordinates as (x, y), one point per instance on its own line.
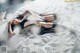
(16, 21)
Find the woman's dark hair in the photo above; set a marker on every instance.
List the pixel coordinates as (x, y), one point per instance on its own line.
(55, 16)
(20, 17)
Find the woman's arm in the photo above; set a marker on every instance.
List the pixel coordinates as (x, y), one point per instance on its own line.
(26, 12)
(45, 14)
(10, 29)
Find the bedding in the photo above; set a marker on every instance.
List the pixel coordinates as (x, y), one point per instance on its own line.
(65, 40)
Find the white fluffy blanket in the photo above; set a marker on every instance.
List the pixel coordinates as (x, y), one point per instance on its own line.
(66, 40)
